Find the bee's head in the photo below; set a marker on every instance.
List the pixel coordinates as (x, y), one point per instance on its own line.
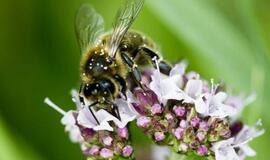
(102, 89)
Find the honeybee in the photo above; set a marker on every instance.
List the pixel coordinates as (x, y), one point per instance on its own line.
(108, 59)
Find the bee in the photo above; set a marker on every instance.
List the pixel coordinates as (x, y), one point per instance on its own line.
(109, 59)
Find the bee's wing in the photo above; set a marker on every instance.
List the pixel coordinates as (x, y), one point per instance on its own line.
(124, 20)
(89, 27)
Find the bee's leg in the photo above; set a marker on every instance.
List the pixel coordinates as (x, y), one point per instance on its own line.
(80, 97)
(90, 109)
(135, 70)
(123, 84)
(114, 109)
(164, 67)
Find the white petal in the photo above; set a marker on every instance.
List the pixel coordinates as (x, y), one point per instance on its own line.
(247, 151)
(126, 111)
(192, 75)
(219, 97)
(75, 98)
(86, 119)
(224, 150)
(176, 79)
(201, 107)
(178, 69)
(217, 113)
(194, 88)
(68, 119)
(75, 134)
(248, 133)
(103, 126)
(166, 87)
(130, 97)
(70, 126)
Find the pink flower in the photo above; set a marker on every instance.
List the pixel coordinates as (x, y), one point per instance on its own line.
(195, 121)
(202, 150)
(179, 111)
(107, 140)
(159, 136)
(127, 151)
(94, 150)
(156, 109)
(106, 153)
(179, 132)
(143, 121)
(123, 132)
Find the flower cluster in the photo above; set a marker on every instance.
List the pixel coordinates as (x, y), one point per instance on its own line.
(108, 139)
(185, 112)
(180, 110)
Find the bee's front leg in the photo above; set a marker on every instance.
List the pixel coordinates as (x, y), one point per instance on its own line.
(164, 67)
(115, 109)
(90, 109)
(135, 70)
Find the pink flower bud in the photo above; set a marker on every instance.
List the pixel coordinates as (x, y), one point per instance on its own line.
(169, 116)
(107, 140)
(106, 153)
(156, 109)
(195, 121)
(202, 150)
(94, 150)
(183, 124)
(204, 126)
(123, 132)
(159, 136)
(143, 121)
(179, 132)
(180, 111)
(127, 151)
(183, 147)
(201, 135)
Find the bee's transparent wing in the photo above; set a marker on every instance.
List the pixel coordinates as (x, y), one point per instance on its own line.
(89, 27)
(124, 20)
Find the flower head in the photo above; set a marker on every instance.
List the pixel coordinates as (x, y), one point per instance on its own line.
(180, 110)
(191, 115)
(105, 137)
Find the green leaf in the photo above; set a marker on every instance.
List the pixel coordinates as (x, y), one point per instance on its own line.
(12, 148)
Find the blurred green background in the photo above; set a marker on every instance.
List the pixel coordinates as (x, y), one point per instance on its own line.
(39, 57)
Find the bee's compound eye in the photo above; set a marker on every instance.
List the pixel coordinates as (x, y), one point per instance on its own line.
(90, 90)
(107, 85)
